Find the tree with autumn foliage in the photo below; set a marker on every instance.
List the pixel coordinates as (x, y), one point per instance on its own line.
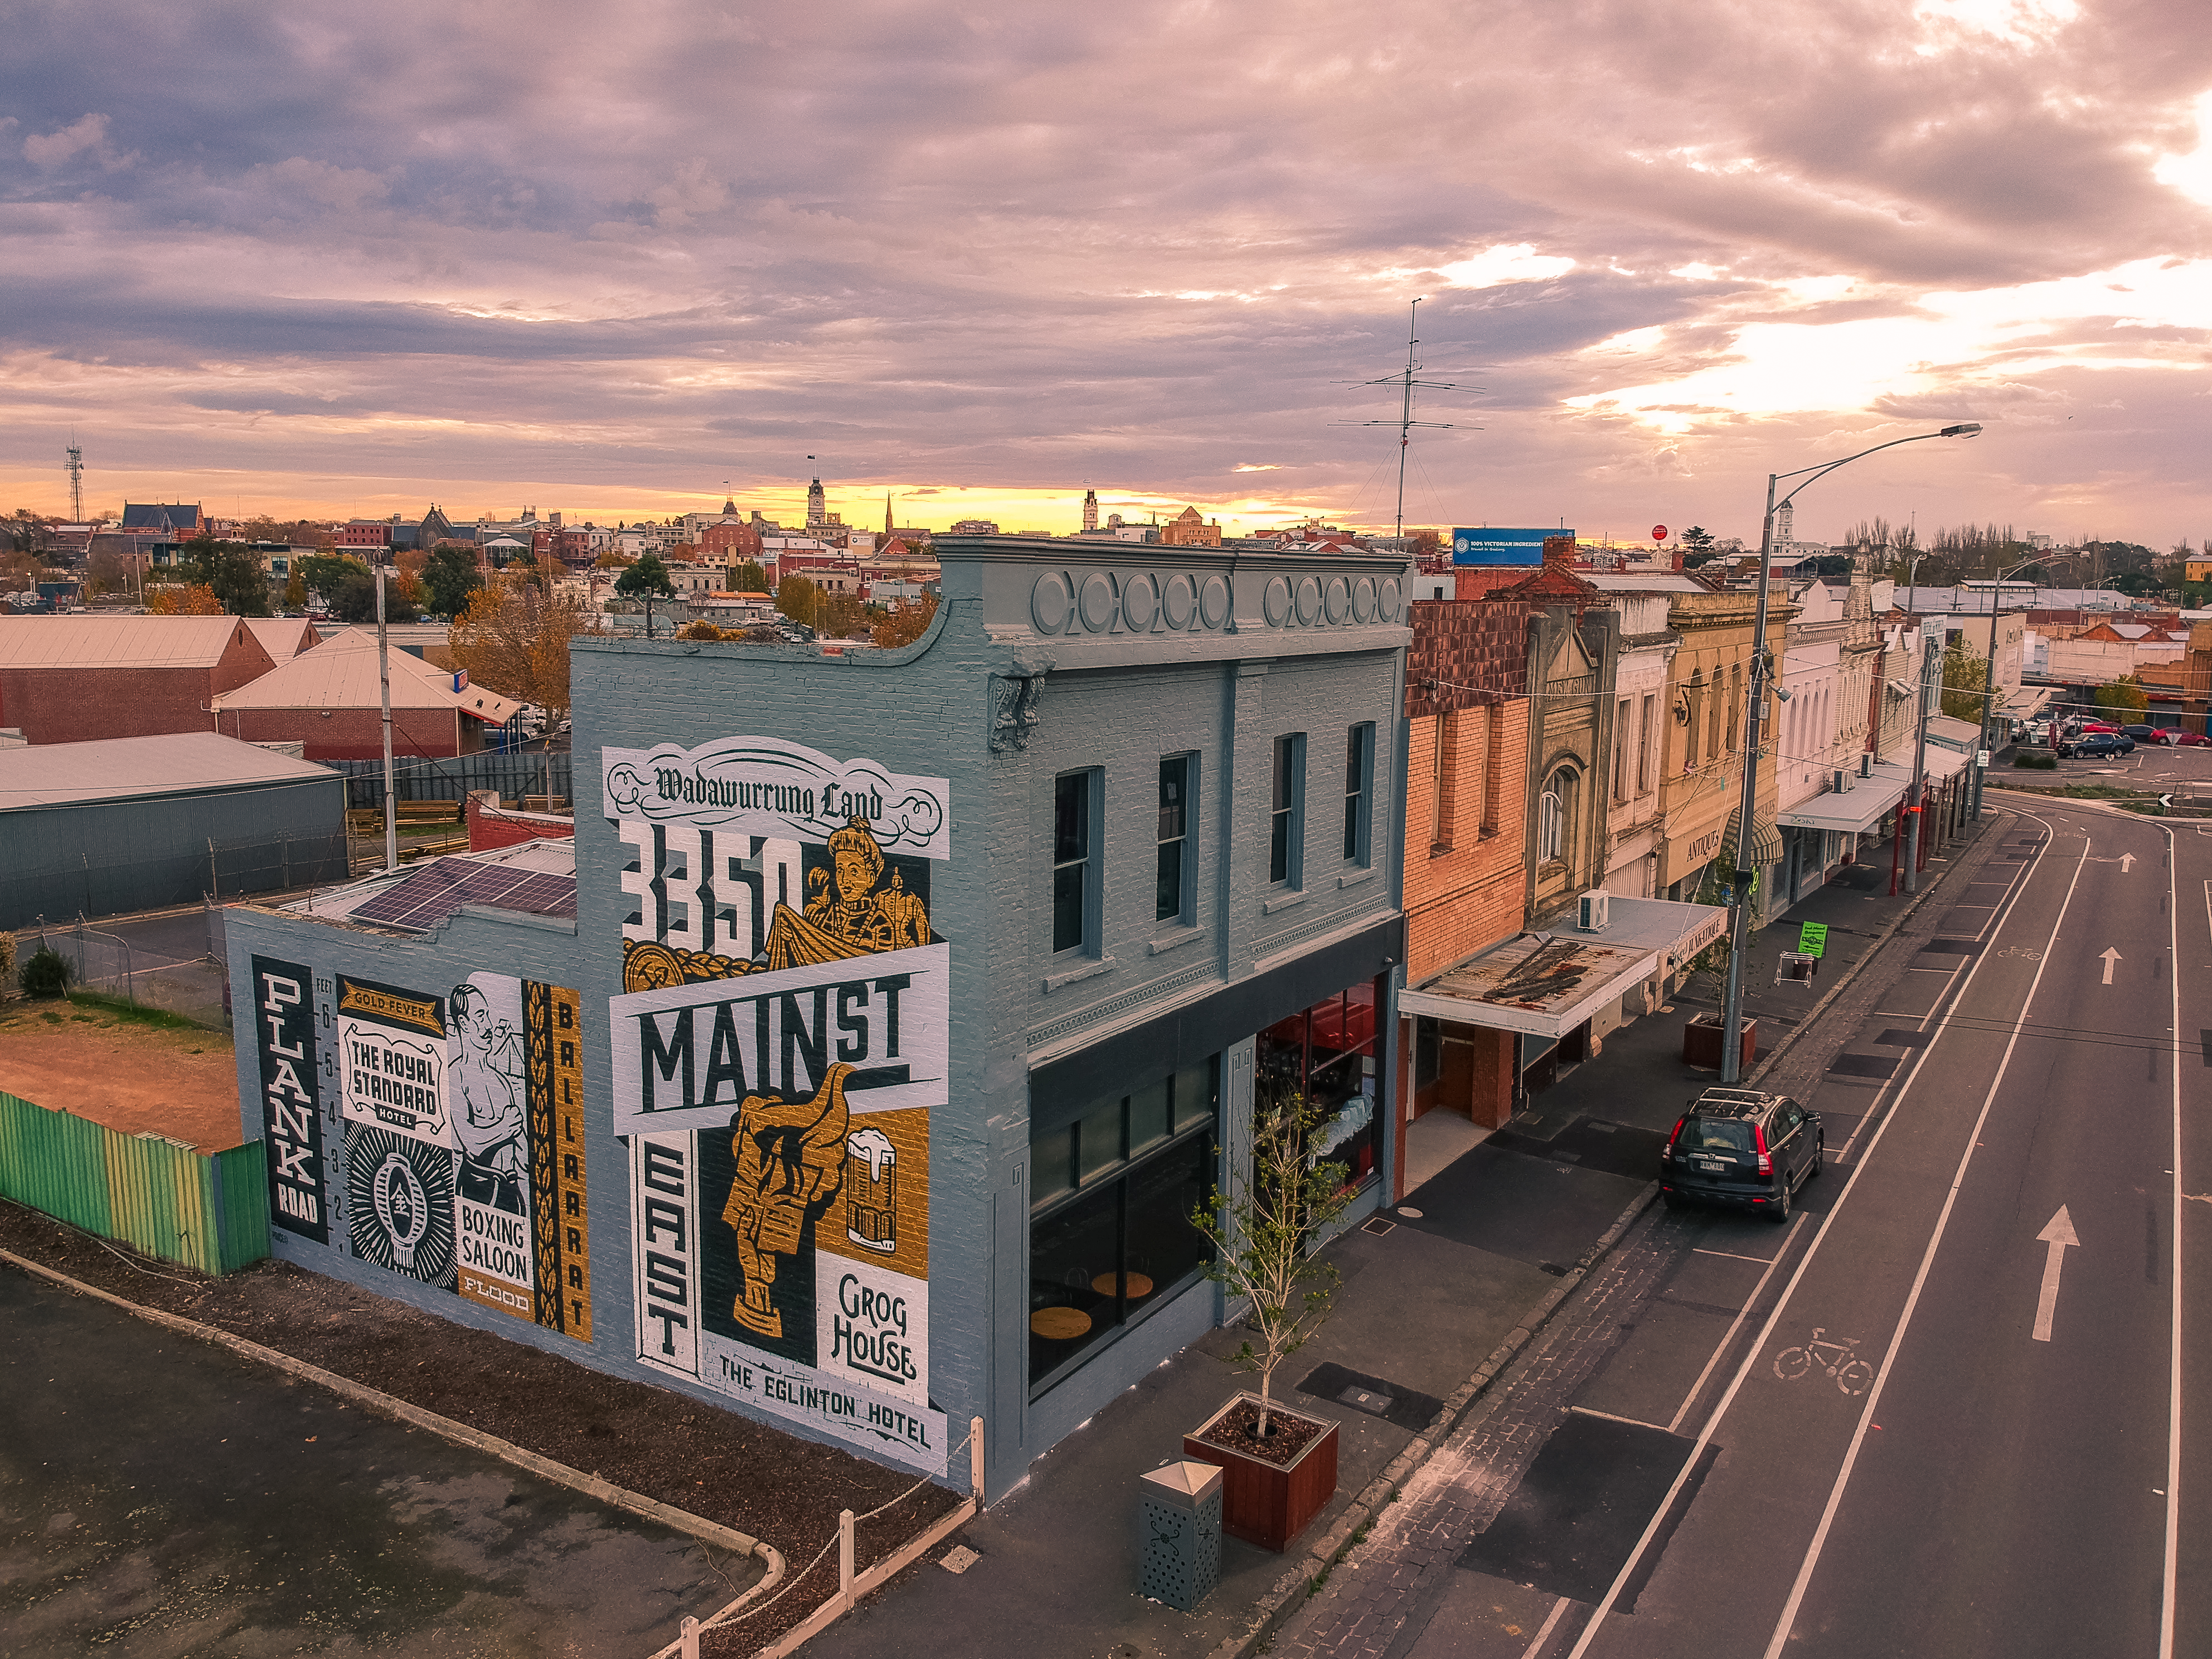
(513, 637)
(182, 600)
(407, 562)
(909, 620)
(293, 532)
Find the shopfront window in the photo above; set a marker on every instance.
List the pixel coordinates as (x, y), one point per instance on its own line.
(1112, 1186)
(1330, 1054)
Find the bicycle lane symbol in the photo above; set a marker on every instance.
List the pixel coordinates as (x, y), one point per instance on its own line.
(1835, 1359)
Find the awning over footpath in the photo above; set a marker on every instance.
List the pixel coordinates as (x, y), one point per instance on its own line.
(1766, 839)
(1860, 805)
(1547, 984)
(1951, 746)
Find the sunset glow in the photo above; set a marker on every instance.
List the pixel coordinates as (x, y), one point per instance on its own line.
(376, 259)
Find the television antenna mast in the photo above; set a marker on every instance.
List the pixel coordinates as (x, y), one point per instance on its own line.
(1407, 384)
(75, 467)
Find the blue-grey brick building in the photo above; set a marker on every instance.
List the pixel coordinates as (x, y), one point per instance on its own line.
(910, 1000)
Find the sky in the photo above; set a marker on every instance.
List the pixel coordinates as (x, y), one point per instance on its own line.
(339, 259)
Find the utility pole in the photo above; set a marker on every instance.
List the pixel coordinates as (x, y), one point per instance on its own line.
(1745, 838)
(1919, 769)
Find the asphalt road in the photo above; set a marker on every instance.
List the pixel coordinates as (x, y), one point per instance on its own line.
(1898, 1433)
(161, 1497)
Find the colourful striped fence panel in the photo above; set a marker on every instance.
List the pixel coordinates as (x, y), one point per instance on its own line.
(206, 1211)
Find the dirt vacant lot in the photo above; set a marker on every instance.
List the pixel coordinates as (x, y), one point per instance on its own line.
(126, 1074)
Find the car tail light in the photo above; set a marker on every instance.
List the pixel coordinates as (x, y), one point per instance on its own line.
(1667, 1152)
(1766, 1163)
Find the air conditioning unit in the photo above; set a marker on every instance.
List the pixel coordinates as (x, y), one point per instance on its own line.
(1866, 765)
(1593, 911)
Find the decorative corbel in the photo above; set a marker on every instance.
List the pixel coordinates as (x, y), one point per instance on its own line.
(1014, 693)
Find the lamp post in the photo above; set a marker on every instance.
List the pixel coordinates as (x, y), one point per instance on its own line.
(1990, 681)
(1740, 920)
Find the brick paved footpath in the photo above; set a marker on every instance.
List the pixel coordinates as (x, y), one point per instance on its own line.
(1376, 1604)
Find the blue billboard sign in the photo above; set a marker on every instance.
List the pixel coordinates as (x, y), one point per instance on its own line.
(1490, 544)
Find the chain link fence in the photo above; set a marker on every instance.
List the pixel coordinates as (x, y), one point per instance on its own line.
(197, 990)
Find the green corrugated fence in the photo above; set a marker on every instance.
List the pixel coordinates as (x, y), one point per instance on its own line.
(209, 1211)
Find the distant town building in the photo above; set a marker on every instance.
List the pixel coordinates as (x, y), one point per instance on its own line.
(1091, 509)
(1186, 529)
(974, 527)
(169, 519)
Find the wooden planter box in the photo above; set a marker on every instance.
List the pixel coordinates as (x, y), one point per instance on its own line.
(1268, 1503)
(1702, 1043)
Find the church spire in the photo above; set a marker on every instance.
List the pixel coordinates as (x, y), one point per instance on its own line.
(887, 515)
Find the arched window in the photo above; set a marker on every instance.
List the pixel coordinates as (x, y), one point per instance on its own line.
(1555, 815)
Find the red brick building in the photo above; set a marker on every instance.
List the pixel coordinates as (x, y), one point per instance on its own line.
(328, 700)
(72, 679)
(1467, 721)
(730, 543)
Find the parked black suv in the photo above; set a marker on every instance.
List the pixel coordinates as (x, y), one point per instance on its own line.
(1741, 1147)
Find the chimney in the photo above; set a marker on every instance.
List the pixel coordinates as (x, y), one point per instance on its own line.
(1558, 551)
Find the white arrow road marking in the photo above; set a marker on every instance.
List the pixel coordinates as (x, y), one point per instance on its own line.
(2059, 1234)
(2127, 862)
(2108, 956)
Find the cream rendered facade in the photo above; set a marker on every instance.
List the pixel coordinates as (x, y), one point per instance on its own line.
(1635, 825)
(1815, 733)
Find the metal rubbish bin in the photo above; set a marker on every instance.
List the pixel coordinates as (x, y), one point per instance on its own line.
(1179, 1534)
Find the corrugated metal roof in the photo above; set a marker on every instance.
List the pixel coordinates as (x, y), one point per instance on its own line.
(124, 768)
(115, 642)
(341, 673)
(282, 637)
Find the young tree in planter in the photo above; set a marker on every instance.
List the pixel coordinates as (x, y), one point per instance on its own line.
(1263, 1235)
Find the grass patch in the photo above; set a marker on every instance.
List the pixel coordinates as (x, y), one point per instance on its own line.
(128, 1012)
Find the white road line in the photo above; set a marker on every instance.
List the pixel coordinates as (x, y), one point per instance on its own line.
(1544, 1634)
(1737, 1324)
(1782, 1626)
(1759, 1345)
(1762, 1260)
(2174, 1379)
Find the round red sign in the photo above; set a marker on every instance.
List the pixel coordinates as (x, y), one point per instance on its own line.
(1658, 532)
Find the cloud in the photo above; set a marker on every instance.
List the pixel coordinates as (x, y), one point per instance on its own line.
(628, 256)
(687, 193)
(88, 134)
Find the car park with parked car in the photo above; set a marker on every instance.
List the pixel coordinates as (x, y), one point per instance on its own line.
(2098, 745)
(1741, 1147)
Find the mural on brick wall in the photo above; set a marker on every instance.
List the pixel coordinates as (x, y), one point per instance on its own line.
(781, 1039)
(462, 1163)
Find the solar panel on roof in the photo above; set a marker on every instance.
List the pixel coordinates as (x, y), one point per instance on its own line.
(432, 894)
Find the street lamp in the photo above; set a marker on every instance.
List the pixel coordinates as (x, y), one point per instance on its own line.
(1990, 680)
(1740, 921)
